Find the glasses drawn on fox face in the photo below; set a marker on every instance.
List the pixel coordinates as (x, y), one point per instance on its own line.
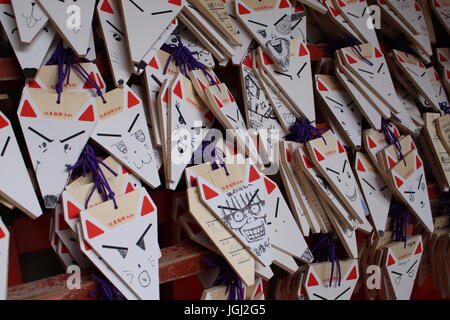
(245, 214)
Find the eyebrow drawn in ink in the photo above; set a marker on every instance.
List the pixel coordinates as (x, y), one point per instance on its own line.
(335, 101)
(279, 20)
(109, 135)
(5, 146)
(342, 293)
(333, 171)
(40, 134)
(345, 163)
(161, 12)
(368, 183)
(72, 136)
(258, 23)
(115, 28)
(301, 69)
(134, 122)
(137, 6)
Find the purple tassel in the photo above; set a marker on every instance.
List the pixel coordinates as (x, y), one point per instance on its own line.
(324, 249)
(400, 220)
(66, 60)
(105, 289)
(199, 156)
(227, 277)
(302, 131)
(89, 162)
(445, 107)
(184, 59)
(391, 138)
(344, 42)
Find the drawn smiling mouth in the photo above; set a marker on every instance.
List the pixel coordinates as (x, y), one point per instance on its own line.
(352, 197)
(143, 162)
(277, 46)
(254, 234)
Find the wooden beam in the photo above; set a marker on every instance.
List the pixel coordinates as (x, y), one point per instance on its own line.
(179, 261)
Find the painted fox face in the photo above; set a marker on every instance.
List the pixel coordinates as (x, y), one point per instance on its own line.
(126, 238)
(270, 23)
(55, 135)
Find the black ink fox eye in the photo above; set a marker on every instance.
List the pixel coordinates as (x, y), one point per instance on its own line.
(117, 37)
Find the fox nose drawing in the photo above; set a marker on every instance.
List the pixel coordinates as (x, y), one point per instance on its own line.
(50, 201)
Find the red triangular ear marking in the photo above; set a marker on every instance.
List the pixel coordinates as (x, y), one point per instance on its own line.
(230, 96)
(209, 193)
(153, 63)
(360, 166)
(175, 2)
(418, 8)
(391, 162)
(418, 162)
(321, 86)
(391, 261)
(193, 181)
(178, 90)
(259, 290)
(248, 62)
(378, 53)
(88, 114)
(267, 60)
(400, 59)
(353, 274)
(92, 230)
(219, 104)
(132, 100)
(242, 9)
(288, 156)
(2, 234)
(194, 228)
(421, 64)
(334, 12)
(27, 110)
(201, 84)
(437, 4)
(209, 116)
(350, 59)
(319, 156)
(442, 58)
(253, 174)
(125, 170)
(436, 76)
(62, 223)
(72, 210)
(3, 122)
(399, 182)
(298, 7)
(448, 74)
(308, 163)
(106, 7)
(303, 51)
(100, 82)
(312, 281)
(284, 4)
(87, 247)
(166, 97)
(371, 143)
(340, 147)
(147, 207)
(270, 186)
(341, 4)
(64, 249)
(374, 236)
(419, 248)
(413, 146)
(88, 84)
(129, 188)
(34, 84)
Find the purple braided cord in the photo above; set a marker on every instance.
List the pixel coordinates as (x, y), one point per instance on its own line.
(105, 289)
(89, 162)
(324, 249)
(391, 138)
(357, 50)
(227, 277)
(199, 156)
(445, 107)
(302, 131)
(400, 220)
(340, 43)
(67, 58)
(184, 59)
